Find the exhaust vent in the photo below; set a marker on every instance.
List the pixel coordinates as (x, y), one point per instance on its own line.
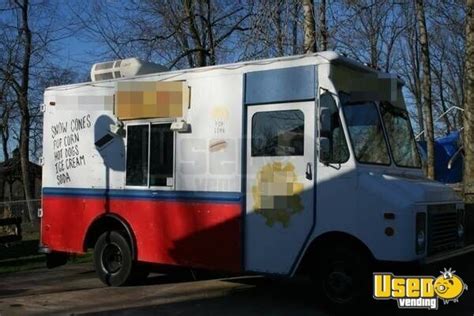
(124, 68)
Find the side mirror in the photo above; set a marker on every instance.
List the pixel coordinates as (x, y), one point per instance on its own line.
(324, 150)
(325, 120)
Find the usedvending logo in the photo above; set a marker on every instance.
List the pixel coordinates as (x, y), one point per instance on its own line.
(419, 292)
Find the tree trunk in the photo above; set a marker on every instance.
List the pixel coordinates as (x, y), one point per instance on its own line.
(5, 138)
(323, 28)
(469, 107)
(426, 88)
(279, 31)
(415, 57)
(309, 27)
(374, 54)
(200, 50)
(210, 34)
(4, 128)
(294, 28)
(419, 103)
(24, 108)
(5, 120)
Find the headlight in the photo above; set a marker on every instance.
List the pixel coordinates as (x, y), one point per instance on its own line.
(420, 233)
(460, 231)
(420, 239)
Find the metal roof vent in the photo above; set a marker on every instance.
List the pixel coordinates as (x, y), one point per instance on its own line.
(123, 68)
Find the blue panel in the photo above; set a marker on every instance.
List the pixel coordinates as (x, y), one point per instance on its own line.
(280, 85)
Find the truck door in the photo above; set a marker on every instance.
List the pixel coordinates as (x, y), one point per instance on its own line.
(280, 181)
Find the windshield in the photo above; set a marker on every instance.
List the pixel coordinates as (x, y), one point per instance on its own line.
(366, 133)
(400, 136)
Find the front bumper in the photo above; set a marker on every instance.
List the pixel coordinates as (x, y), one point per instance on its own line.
(447, 255)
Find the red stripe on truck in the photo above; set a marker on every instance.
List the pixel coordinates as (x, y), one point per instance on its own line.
(187, 233)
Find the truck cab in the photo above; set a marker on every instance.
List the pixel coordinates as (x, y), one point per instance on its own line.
(371, 186)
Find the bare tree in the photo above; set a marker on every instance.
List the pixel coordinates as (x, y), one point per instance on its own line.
(279, 28)
(295, 8)
(469, 107)
(439, 73)
(426, 88)
(25, 35)
(21, 87)
(274, 30)
(409, 63)
(309, 27)
(187, 33)
(323, 27)
(447, 54)
(368, 31)
(7, 114)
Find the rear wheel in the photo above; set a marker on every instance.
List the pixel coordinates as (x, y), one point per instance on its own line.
(114, 262)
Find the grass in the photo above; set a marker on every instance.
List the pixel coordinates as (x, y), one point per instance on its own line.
(24, 256)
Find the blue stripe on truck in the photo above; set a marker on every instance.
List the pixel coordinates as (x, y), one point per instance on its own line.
(202, 196)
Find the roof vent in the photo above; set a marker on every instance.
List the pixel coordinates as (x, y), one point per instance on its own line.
(123, 68)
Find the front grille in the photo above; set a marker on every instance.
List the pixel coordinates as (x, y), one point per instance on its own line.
(442, 228)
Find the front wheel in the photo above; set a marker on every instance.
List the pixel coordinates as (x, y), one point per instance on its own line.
(343, 276)
(113, 260)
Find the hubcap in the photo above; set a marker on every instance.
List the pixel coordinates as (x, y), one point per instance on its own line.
(112, 258)
(339, 285)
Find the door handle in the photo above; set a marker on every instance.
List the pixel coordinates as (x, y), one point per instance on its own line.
(309, 172)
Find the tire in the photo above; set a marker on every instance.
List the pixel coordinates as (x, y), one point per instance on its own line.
(113, 261)
(343, 276)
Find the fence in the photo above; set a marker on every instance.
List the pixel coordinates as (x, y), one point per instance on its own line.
(10, 230)
(17, 211)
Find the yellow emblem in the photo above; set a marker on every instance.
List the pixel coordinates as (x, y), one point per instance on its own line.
(448, 286)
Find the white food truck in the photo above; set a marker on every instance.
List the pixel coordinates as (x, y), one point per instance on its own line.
(301, 164)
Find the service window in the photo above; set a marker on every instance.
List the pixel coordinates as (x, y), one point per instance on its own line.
(278, 133)
(137, 155)
(161, 154)
(150, 152)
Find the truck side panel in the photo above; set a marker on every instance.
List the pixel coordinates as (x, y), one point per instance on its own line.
(197, 219)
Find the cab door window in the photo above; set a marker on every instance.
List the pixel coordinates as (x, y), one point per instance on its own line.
(278, 133)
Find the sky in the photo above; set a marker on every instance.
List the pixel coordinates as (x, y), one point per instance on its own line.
(76, 53)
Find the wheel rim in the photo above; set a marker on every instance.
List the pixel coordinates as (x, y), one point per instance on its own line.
(339, 283)
(112, 258)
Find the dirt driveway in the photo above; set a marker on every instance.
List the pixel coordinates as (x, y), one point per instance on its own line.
(74, 289)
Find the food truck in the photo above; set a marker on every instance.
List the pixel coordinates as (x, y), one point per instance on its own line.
(301, 164)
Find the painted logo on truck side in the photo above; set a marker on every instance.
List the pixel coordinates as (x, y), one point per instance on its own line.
(277, 193)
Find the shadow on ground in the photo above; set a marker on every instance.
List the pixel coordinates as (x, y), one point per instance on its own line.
(257, 295)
